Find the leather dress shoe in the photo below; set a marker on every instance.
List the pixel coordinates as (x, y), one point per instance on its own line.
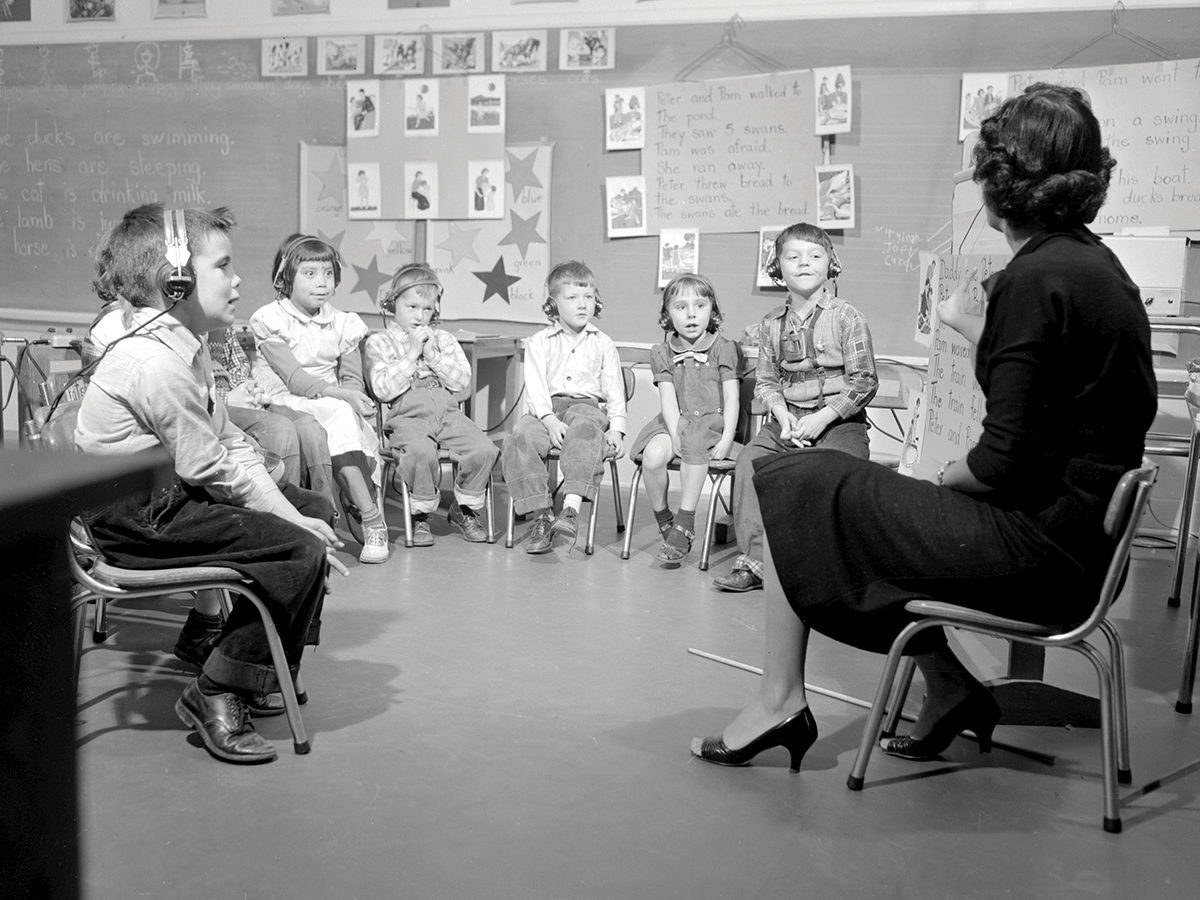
(739, 581)
(541, 535)
(466, 520)
(223, 723)
(263, 706)
(567, 525)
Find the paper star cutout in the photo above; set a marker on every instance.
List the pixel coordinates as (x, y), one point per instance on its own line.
(387, 233)
(333, 240)
(497, 281)
(520, 172)
(461, 244)
(333, 180)
(370, 279)
(523, 233)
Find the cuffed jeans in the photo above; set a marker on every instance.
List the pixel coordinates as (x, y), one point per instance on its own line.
(581, 459)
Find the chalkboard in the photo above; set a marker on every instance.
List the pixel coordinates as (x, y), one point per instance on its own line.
(74, 158)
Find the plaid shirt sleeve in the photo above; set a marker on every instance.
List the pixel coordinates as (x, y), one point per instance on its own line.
(446, 359)
(766, 372)
(858, 357)
(389, 370)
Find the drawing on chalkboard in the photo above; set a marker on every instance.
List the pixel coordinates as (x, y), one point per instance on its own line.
(835, 196)
(626, 205)
(624, 123)
(341, 55)
(926, 299)
(364, 190)
(678, 253)
(421, 113)
(454, 54)
(832, 88)
(983, 92)
(766, 253)
(282, 57)
(485, 104)
(519, 51)
(399, 54)
(91, 11)
(362, 108)
(484, 180)
(422, 180)
(297, 7)
(180, 9)
(587, 48)
(14, 10)
(146, 57)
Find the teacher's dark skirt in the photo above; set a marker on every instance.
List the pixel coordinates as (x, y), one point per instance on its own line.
(853, 542)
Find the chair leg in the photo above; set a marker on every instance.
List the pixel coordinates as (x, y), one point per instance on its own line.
(406, 499)
(100, 621)
(616, 486)
(1108, 754)
(78, 626)
(590, 547)
(633, 489)
(491, 512)
(1187, 674)
(908, 666)
(1116, 656)
(512, 519)
(710, 525)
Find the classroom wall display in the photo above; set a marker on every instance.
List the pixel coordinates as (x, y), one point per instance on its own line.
(624, 125)
(363, 108)
(835, 197)
(372, 251)
(625, 199)
(298, 7)
(496, 269)
(457, 54)
(1151, 124)
(926, 318)
(364, 191)
(678, 253)
(425, 127)
(399, 54)
(484, 180)
(766, 253)
(730, 154)
(486, 104)
(834, 100)
(90, 10)
(587, 48)
(982, 94)
(341, 55)
(519, 51)
(284, 57)
(15, 11)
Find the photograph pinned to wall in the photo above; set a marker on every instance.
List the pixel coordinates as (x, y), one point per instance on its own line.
(363, 190)
(14, 11)
(678, 253)
(91, 11)
(927, 297)
(834, 104)
(587, 48)
(626, 196)
(625, 125)
(413, 4)
(485, 183)
(983, 92)
(179, 9)
(422, 180)
(485, 104)
(399, 54)
(298, 7)
(362, 108)
(835, 196)
(766, 253)
(519, 51)
(341, 55)
(421, 112)
(284, 57)
(456, 54)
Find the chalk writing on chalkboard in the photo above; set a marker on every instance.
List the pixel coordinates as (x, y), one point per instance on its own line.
(730, 155)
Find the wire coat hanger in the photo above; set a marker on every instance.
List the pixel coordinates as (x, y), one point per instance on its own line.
(1116, 30)
(729, 43)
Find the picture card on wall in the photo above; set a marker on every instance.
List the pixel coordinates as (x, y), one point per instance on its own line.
(399, 54)
(835, 197)
(298, 7)
(421, 110)
(927, 297)
(163, 9)
(423, 187)
(766, 253)
(678, 253)
(626, 205)
(16, 11)
(519, 51)
(284, 57)
(364, 190)
(624, 123)
(413, 4)
(486, 104)
(341, 55)
(587, 48)
(834, 99)
(485, 180)
(363, 108)
(983, 92)
(458, 54)
(90, 10)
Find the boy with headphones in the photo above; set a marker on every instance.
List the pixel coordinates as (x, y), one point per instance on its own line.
(153, 388)
(815, 376)
(414, 369)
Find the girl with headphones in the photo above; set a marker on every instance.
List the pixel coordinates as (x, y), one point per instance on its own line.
(815, 376)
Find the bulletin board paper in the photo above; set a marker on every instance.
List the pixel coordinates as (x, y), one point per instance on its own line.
(727, 155)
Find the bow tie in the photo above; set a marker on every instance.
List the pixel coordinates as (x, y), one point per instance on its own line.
(700, 356)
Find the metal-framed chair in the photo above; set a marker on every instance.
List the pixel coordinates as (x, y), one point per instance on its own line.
(1120, 523)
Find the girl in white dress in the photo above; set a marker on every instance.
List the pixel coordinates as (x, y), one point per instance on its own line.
(314, 349)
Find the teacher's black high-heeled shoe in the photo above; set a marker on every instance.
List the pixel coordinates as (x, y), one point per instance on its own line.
(797, 733)
(977, 712)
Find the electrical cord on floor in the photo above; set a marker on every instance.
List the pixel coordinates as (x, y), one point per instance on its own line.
(515, 406)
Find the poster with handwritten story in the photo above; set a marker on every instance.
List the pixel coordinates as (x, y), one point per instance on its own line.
(1150, 121)
(729, 155)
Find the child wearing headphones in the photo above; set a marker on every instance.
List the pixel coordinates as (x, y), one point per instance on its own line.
(696, 370)
(815, 376)
(575, 402)
(314, 349)
(153, 388)
(414, 369)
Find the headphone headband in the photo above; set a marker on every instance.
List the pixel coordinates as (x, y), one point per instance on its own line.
(285, 254)
(176, 279)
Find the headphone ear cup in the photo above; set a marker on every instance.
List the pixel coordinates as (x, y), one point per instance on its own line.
(835, 266)
(175, 284)
(773, 270)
